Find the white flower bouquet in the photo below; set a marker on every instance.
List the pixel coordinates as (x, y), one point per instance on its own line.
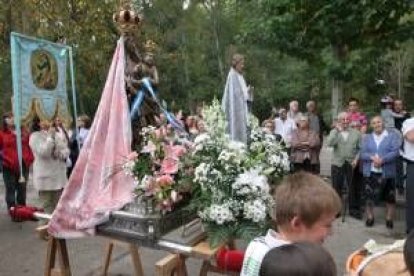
(233, 182)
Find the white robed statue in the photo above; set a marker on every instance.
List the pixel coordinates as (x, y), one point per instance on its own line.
(235, 101)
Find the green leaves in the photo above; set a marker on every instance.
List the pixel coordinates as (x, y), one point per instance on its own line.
(306, 29)
(243, 230)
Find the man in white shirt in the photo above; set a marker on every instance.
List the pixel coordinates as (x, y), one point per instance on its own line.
(284, 126)
(408, 155)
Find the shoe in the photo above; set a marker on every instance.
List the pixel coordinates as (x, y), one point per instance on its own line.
(369, 222)
(389, 224)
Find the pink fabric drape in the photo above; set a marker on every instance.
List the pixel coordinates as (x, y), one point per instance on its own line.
(97, 186)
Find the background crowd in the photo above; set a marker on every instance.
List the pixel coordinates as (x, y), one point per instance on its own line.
(369, 159)
(372, 160)
(366, 162)
(49, 148)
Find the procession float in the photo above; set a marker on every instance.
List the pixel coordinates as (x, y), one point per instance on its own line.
(139, 178)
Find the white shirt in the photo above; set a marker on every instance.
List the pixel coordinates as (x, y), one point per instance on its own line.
(257, 250)
(378, 139)
(82, 135)
(408, 152)
(345, 134)
(285, 129)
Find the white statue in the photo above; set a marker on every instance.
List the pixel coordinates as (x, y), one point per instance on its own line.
(235, 101)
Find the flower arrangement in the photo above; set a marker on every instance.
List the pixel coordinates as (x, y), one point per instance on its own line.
(233, 182)
(156, 169)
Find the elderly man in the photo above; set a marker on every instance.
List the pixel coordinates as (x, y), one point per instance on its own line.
(285, 127)
(345, 142)
(408, 155)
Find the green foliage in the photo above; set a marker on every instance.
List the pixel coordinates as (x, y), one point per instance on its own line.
(292, 47)
(336, 36)
(142, 166)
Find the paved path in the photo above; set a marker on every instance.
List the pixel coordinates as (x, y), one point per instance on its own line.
(23, 254)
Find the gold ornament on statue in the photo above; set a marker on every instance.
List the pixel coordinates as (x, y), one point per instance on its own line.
(126, 19)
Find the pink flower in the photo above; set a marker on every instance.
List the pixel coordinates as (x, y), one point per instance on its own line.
(151, 187)
(132, 156)
(165, 180)
(169, 166)
(179, 151)
(160, 132)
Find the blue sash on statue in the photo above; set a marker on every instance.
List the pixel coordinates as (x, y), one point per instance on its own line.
(136, 105)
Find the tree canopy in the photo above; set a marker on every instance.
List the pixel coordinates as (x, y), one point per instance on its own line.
(292, 47)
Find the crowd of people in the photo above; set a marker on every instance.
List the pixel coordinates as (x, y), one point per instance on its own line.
(368, 154)
(372, 159)
(49, 148)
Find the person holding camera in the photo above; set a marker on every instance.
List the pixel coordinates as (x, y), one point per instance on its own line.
(49, 168)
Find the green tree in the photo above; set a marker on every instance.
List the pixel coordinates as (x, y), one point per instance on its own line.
(335, 35)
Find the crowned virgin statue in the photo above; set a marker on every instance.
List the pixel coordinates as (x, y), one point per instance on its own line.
(235, 101)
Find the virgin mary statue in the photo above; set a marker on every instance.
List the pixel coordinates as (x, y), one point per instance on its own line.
(234, 103)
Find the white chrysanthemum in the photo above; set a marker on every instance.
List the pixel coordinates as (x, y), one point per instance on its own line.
(275, 160)
(225, 156)
(236, 146)
(202, 138)
(147, 130)
(251, 182)
(255, 210)
(128, 167)
(256, 146)
(201, 173)
(220, 214)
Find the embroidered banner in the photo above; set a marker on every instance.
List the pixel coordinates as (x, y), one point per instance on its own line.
(39, 82)
(39, 78)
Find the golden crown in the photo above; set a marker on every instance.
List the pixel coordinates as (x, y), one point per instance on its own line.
(127, 20)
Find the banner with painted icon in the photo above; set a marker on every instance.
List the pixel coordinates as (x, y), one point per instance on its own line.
(39, 79)
(39, 71)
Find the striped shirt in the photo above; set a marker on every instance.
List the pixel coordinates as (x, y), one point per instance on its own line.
(256, 251)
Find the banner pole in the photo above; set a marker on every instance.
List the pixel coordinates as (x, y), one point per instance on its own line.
(75, 110)
(16, 103)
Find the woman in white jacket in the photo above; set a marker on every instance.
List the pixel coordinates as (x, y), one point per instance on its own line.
(49, 168)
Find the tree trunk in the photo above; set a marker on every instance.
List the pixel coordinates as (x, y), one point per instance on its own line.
(337, 97)
(215, 10)
(341, 53)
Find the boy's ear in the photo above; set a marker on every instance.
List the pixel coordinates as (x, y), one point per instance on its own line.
(296, 223)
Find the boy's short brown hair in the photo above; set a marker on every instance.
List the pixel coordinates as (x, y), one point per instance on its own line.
(306, 196)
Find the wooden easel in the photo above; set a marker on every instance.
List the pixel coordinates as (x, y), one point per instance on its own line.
(55, 246)
(133, 250)
(174, 264)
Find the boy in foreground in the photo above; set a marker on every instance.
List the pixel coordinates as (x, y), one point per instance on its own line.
(306, 207)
